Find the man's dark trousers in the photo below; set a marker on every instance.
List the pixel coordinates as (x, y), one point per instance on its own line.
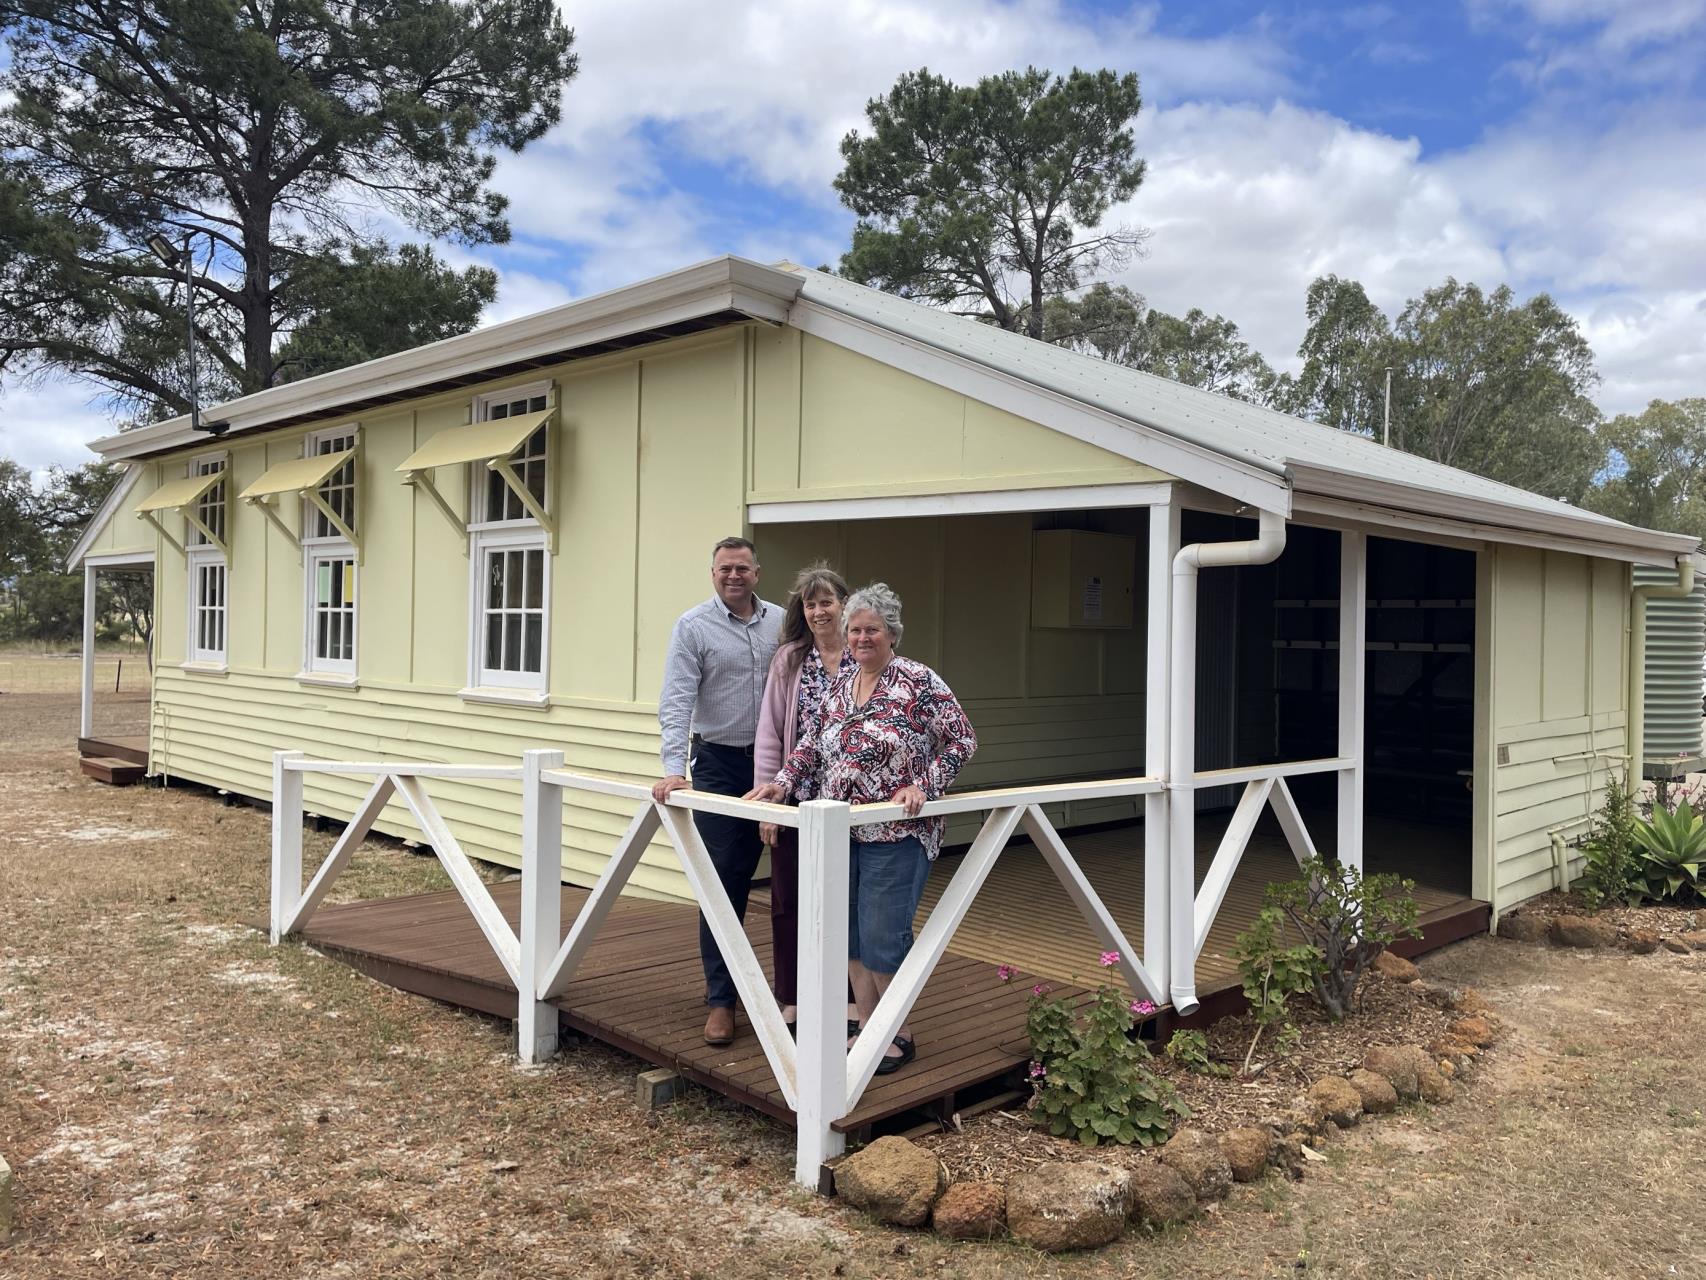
(734, 847)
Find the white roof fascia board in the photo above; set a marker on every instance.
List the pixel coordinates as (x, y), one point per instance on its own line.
(115, 559)
(103, 513)
(722, 284)
(1650, 546)
(1261, 488)
(1386, 522)
(897, 506)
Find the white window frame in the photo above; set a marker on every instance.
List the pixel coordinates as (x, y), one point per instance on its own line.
(200, 554)
(479, 475)
(196, 559)
(313, 557)
(311, 516)
(320, 548)
(524, 534)
(204, 464)
(528, 537)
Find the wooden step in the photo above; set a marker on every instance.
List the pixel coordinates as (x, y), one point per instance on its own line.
(112, 770)
(133, 748)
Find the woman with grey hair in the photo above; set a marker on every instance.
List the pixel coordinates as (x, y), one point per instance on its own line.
(890, 730)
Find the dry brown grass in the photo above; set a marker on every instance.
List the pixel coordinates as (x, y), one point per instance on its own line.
(178, 1098)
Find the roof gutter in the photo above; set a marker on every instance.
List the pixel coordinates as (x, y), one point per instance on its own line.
(707, 288)
(1594, 534)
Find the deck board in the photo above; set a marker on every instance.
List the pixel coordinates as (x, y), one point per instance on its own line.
(640, 988)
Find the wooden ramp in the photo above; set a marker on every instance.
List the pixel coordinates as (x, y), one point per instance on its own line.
(641, 989)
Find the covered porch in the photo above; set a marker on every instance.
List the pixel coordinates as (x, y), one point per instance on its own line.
(1096, 818)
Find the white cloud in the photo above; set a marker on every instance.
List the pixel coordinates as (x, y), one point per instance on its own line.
(49, 423)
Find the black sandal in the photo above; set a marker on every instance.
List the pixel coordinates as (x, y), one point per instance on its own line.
(852, 1028)
(888, 1066)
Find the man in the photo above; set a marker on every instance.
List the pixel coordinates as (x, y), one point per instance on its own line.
(713, 684)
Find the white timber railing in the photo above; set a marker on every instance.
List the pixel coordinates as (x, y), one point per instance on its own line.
(820, 1078)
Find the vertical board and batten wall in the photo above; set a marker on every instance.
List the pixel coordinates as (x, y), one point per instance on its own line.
(1557, 680)
(656, 457)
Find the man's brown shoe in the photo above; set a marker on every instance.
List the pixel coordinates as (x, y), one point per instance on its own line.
(720, 1026)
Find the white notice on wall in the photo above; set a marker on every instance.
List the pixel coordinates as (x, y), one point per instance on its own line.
(1092, 599)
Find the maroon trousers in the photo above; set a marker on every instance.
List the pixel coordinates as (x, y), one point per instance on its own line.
(785, 913)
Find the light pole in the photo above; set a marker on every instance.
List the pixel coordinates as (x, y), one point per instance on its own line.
(172, 257)
(1386, 435)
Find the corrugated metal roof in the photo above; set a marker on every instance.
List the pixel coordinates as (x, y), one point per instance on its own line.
(1263, 438)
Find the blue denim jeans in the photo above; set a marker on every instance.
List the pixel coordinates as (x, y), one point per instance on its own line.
(886, 882)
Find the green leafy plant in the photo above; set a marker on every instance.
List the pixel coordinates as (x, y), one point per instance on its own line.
(1346, 920)
(1190, 1050)
(1273, 970)
(1669, 850)
(1092, 1078)
(1612, 869)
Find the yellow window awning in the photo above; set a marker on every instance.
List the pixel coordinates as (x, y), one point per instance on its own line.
(175, 495)
(477, 442)
(297, 475)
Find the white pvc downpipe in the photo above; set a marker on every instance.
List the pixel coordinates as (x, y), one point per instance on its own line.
(1182, 738)
(1637, 718)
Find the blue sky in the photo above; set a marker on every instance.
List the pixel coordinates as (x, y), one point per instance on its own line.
(1554, 145)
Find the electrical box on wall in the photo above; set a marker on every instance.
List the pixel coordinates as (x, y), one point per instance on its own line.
(1082, 580)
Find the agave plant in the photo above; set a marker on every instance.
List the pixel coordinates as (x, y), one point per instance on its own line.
(1671, 848)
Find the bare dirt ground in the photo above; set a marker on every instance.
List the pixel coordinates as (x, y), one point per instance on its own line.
(179, 1099)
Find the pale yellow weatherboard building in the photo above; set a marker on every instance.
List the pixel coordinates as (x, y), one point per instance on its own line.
(824, 420)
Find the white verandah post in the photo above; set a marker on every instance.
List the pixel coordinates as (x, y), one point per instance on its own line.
(86, 720)
(821, 1057)
(286, 841)
(541, 903)
(1163, 545)
(1353, 668)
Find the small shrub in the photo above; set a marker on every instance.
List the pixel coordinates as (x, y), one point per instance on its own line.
(1272, 972)
(1190, 1050)
(1612, 869)
(1669, 850)
(1092, 1079)
(1346, 919)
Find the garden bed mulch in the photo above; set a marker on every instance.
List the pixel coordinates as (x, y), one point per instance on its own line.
(998, 1144)
(1665, 919)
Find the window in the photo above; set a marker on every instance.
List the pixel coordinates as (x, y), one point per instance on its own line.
(496, 500)
(512, 614)
(331, 611)
(337, 491)
(329, 562)
(209, 575)
(210, 507)
(509, 557)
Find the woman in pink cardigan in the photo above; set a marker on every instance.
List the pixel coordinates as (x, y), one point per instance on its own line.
(808, 656)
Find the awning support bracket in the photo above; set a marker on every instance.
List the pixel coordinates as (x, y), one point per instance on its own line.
(266, 509)
(422, 481)
(161, 529)
(522, 492)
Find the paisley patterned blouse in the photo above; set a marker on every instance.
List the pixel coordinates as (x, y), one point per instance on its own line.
(815, 682)
(912, 731)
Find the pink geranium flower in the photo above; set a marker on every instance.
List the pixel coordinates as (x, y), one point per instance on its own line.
(1006, 973)
(1041, 989)
(1143, 1008)
(1037, 1072)
(1109, 959)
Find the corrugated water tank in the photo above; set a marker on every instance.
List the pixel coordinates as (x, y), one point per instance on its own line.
(1676, 647)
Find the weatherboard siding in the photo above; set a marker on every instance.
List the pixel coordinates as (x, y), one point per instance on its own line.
(650, 457)
(1559, 697)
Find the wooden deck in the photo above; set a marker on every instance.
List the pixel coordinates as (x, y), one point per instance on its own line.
(640, 987)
